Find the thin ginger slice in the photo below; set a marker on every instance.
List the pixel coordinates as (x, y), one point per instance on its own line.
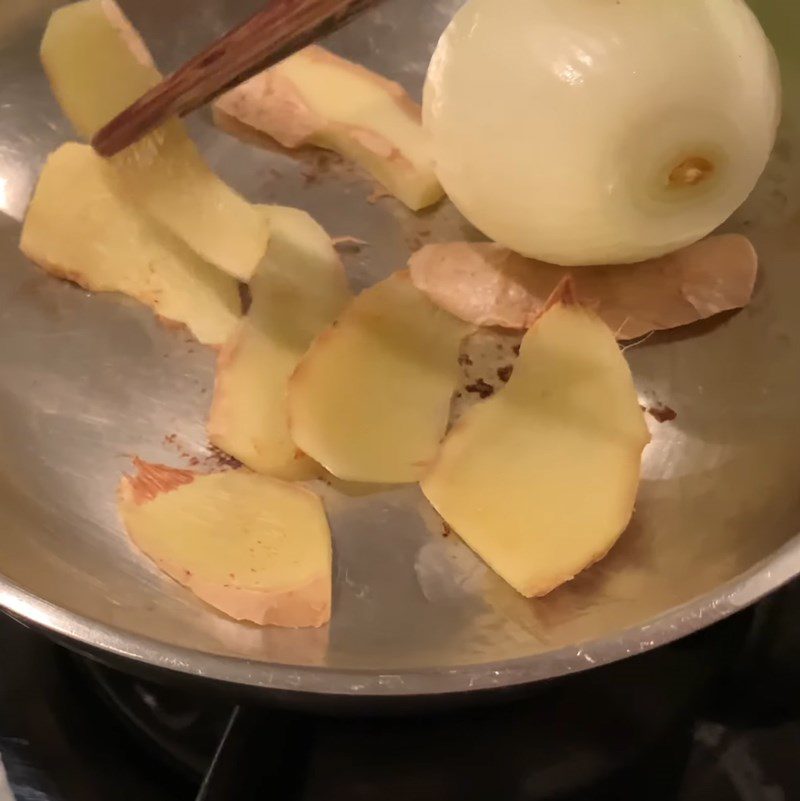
(541, 480)
(370, 401)
(97, 65)
(79, 228)
(317, 98)
(252, 547)
(489, 285)
(297, 292)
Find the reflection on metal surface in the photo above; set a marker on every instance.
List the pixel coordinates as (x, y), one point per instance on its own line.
(87, 381)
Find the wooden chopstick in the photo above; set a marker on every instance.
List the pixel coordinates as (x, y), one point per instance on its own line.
(283, 28)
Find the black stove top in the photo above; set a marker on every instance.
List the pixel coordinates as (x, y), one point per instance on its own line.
(715, 717)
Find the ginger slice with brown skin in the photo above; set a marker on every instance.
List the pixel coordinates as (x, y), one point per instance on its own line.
(252, 547)
(298, 291)
(541, 479)
(317, 98)
(370, 400)
(78, 227)
(97, 64)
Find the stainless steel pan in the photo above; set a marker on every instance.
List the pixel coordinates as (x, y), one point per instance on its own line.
(87, 381)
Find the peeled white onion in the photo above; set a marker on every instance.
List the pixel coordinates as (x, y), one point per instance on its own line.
(599, 131)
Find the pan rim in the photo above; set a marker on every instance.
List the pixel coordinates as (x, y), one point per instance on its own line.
(738, 593)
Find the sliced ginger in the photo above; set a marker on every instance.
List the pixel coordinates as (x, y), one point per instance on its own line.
(79, 228)
(97, 65)
(489, 285)
(252, 547)
(96, 62)
(317, 98)
(541, 480)
(297, 292)
(370, 400)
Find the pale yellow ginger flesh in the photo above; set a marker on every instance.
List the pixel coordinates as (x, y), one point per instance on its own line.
(541, 480)
(370, 400)
(97, 65)
(78, 227)
(297, 292)
(317, 98)
(489, 285)
(255, 548)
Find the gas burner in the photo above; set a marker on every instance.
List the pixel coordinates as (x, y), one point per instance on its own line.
(178, 727)
(75, 730)
(581, 738)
